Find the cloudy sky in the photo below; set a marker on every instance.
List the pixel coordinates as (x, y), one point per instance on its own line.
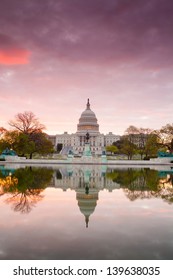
(54, 54)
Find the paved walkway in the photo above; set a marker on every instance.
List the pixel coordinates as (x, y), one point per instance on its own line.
(92, 161)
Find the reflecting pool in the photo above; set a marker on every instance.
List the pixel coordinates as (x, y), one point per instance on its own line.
(86, 212)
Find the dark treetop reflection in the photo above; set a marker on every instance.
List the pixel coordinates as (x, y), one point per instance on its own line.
(24, 186)
(130, 219)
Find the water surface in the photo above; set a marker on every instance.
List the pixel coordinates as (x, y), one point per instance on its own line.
(88, 212)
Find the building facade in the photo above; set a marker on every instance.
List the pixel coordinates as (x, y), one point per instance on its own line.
(76, 141)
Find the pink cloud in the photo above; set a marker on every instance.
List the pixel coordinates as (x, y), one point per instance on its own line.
(117, 53)
(14, 56)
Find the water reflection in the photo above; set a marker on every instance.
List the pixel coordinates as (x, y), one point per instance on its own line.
(24, 186)
(145, 183)
(86, 212)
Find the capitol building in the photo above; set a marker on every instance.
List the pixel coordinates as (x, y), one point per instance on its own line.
(75, 142)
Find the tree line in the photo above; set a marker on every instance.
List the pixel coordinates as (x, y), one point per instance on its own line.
(26, 136)
(144, 142)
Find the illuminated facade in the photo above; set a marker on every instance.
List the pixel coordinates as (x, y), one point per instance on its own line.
(75, 142)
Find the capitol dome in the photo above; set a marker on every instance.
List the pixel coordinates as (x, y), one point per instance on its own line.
(88, 121)
(87, 203)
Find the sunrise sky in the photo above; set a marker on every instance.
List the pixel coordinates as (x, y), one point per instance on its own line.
(54, 54)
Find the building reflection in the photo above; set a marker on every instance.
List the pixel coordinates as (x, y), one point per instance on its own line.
(87, 181)
(87, 201)
(25, 186)
(74, 177)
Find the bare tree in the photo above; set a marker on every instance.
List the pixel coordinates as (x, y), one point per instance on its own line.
(24, 201)
(166, 136)
(132, 130)
(27, 123)
(139, 137)
(2, 131)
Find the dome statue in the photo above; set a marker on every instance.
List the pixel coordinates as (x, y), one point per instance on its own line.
(88, 121)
